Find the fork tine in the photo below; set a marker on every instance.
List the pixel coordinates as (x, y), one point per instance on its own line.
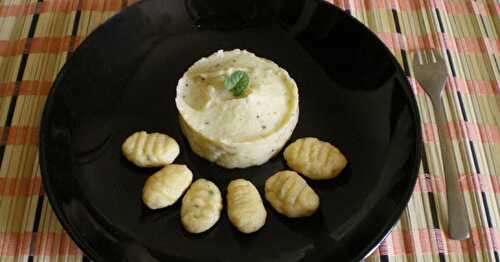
(437, 55)
(417, 57)
(433, 52)
(428, 56)
(431, 56)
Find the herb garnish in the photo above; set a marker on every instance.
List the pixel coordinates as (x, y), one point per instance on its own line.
(237, 82)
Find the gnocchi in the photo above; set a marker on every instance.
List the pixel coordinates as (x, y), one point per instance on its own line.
(290, 194)
(244, 206)
(150, 150)
(166, 186)
(314, 158)
(201, 206)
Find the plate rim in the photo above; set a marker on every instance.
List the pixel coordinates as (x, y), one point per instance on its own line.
(368, 250)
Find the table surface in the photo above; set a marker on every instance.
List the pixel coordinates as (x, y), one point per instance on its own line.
(36, 37)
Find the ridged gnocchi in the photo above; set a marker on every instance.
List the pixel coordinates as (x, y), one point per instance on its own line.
(314, 158)
(201, 206)
(166, 186)
(244, 206)
(290, 194)
(150, 150)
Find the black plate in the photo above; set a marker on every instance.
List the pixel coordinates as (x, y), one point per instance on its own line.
(123, 77)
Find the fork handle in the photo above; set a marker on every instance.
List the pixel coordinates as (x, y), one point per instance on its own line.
(458, 226)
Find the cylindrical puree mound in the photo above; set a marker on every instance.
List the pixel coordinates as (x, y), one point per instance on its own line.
(242, 131)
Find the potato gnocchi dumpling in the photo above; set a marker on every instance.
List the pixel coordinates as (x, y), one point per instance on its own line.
(290, 194)
(150, 150)
(314, 158)
(166, 186)
(244, 206)
(201, 206)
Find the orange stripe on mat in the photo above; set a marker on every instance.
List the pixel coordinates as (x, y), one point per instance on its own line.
(7, 89)
(45, 245)
(12, 244)
(18, 244)
(20, 135)
(25, 186)
(39, 45)
(108, 5)
(17, 9)
(26, 88)
(64, 6)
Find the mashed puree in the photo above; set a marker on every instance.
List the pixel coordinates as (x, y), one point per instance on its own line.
(237, 131)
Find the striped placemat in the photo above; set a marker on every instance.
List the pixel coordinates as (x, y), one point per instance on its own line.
(36, 37)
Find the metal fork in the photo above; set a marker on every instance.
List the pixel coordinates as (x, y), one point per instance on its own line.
(430, 71)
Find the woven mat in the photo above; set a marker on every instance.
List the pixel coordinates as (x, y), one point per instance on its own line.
(36, 37)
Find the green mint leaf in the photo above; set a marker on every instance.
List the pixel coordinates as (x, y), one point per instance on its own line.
(237, 82)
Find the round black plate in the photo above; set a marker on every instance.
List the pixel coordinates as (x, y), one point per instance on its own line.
(123, 77)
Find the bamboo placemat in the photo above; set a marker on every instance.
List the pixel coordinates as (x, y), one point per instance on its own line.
(36, 37)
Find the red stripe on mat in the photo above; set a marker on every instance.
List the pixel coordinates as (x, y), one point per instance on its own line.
(457, 130)
(486, 9)
(432, 40)
(433, 183)
(392, 40)
(481, 133)
(425, 241)
(453, 8)
(476, 87)
(469, 87)
(462, 130)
